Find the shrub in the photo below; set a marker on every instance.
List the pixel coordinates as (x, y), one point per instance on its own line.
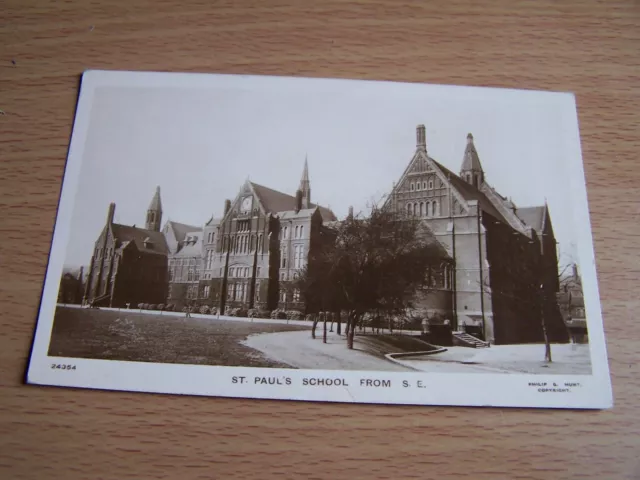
(141, 306)
(258, 313)
(184, 309)
(170, 307)
(205, 309)
(232, 312)
(161, 306)
(152, 306)
(242, 312)
(279, 314)
(294, 315)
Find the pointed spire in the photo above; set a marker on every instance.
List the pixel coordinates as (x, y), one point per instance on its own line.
(471, 169)
(305, 185)
(154, 212)
(156, 202)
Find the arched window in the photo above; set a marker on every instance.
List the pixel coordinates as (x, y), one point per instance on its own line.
(409, 209)
(430, 184)
(296, 234)
(301, 231)
(417, 185)
(413, 187)
(415, 208)
(286, 231)
(435, 210)
(424, 185)
(421, 209)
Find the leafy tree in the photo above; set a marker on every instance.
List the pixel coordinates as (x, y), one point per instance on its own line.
(372, 264)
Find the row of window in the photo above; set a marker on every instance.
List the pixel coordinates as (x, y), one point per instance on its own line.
(417, 186)
(239, 292)
(177, 275)
(211, 237)
(243, 244)
(107, 252)
(241, 272)
(297, 231)
(298, 256)
(424, 209)
(295, 295)
(178, 262)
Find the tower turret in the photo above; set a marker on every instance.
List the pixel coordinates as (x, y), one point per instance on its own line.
(305, 186)
(471, 170)
(154, 212)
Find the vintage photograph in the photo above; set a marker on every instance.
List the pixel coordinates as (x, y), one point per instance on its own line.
(329, 225)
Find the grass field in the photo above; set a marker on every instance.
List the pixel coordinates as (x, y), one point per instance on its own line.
(130, 336)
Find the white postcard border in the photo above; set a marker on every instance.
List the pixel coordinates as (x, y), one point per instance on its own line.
(509, 390)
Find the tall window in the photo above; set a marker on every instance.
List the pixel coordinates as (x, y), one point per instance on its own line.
(301, 231)
(413, 187)
(296, 295)
(409, 207)
(206, 291)
(424, 185)
(260, 247)
(296, 234)
(435, 211)
(421, 209)
(231, 271)
(430, 184)
(258, 272)
(284, 257)
(286, 232)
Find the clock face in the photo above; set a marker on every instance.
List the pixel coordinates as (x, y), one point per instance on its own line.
(246, 205)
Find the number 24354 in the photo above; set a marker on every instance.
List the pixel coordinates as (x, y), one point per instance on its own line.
(59, 366)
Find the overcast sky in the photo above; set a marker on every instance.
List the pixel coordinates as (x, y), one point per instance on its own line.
(200, 144)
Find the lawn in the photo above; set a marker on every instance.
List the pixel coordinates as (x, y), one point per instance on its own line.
(138, 337)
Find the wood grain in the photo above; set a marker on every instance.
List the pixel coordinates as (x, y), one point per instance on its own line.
(587, 47)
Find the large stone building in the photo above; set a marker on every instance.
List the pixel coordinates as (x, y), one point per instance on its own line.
(253, 252)
(499, 254)
(129, 264)
(185, 263)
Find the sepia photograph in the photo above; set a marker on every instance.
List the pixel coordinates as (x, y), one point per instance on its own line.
(323, 239)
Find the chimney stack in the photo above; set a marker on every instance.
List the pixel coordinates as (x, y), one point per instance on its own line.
(298, 200)
(421, 138)
(350, 215)
(227, 206)
(111, 213)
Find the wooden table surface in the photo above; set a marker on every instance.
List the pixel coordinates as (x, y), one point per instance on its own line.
(591, 48)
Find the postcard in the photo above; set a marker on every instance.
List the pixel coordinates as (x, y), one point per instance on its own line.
(323, 240)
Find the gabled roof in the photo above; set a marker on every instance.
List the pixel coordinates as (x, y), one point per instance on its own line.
(533, 216)
(274, 201)
(471, 161)
(181, 229)
(156, 244)
(191, 246)
(469, 192)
